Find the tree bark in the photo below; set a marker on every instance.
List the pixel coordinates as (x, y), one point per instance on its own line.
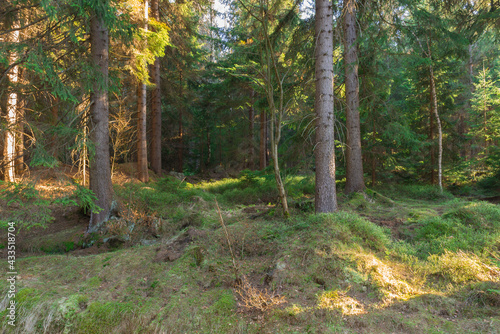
(277, 112)
(251, 116)
(463, 115)
(180, 152)
(20, 119)
(100, 171)
(373, 153)
(156, 106)
(440, 131)
(142, 149)
(431, 138)
(326, 198)
(354, 161)
(209, 147)
(54, 108)
(9, 153)
(263, 140)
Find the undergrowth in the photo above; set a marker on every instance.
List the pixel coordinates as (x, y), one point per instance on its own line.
(399, 259)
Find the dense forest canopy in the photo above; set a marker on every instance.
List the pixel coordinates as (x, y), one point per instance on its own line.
(197, 87)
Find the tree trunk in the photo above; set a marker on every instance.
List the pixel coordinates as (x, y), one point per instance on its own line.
(20, 119)
(209, 147)
(440, 131)
(462, 118)
(326, 198)
(251, 114)
(354, 161)
(9, 153)
(263, 140)
(180, 152)
(277, 112)
(142, 148)
(100, 171)
(54, 108)
(156, 105)
(373, 153)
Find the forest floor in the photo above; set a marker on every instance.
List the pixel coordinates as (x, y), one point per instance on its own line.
(397, 259)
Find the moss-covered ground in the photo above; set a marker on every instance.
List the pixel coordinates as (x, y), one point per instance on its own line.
(395, 259)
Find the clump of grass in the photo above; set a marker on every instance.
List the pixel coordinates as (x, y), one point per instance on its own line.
(390, 284)
(349, 228)
(473, 227)
(339, 300)
(462, 267)
(225, 304)
(102, 317)
(481, 215)
(484, 294)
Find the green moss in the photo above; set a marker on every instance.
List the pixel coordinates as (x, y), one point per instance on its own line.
(225, 304)
(349, 228)
(477, 215)
(102, 317)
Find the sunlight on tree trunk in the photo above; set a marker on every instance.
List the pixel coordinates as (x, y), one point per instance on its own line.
(326, 198)
(12, 106)
(156, 105)
(142, 149)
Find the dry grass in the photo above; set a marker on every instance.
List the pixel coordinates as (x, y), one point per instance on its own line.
(253, 298)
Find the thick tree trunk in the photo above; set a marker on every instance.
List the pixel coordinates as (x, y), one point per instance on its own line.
(156, 106)
(440, 131)
(354, 177)
(9, 153)
(100, 171)
(263, 140)
(142, 148)
(326, 198)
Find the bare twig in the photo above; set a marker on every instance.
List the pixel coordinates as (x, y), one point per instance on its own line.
(235, 267)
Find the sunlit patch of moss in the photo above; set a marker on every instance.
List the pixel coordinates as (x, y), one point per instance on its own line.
(390, 284)
(339, 300)
(295, 310)
(461, 267)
